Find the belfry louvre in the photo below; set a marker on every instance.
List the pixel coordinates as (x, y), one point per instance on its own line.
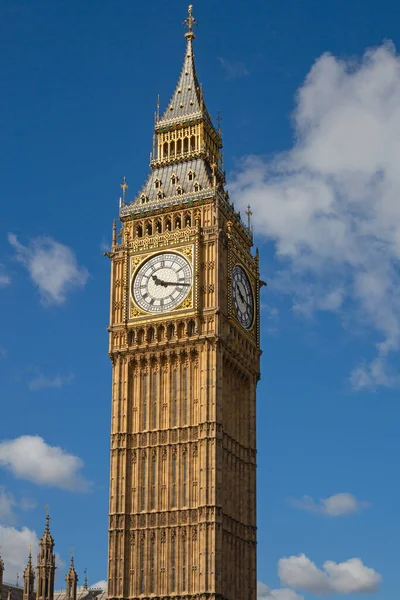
(184, 346)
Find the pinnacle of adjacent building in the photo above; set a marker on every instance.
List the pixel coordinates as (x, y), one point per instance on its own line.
(29, 572)
(1, 565)
(71, 574)
(47, 537)
(187, 101)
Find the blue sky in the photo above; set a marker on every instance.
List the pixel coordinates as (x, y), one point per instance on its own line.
(311, 141)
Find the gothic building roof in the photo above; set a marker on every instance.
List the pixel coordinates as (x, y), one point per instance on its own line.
(11, 592)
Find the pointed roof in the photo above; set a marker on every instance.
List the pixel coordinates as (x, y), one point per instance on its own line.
(187, 101)
(29, 572)
(47, 537)
(71, 573)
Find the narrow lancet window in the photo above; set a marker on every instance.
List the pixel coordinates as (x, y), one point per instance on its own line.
(152, 566)
(173, 560)
(145, 392)
(185, 395)
(142, 560)
(184, 478)
(175, 397)
(143, 484)
(174, 474)
(155, 396)
(153, 482)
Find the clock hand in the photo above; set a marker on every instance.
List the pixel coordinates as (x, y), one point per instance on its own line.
(158, 281)
(167, 283)
(243, 299)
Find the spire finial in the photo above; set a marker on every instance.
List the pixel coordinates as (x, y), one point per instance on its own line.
(124, 187)
(249, 213)
(85, 585)
(189, 22)
(47, 519)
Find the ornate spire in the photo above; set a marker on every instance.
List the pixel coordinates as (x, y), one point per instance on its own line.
(29, 579)
(187, 101)
(46, 564)
(71, 580)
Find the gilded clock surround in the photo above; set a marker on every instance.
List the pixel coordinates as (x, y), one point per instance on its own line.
(183, 434)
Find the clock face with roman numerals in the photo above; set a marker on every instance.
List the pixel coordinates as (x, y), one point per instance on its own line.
(162, 282)
(242, 296)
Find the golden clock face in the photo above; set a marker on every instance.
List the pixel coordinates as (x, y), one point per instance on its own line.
(242, 296)
(162, 282)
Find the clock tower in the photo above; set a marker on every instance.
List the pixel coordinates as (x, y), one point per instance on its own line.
(184, 346)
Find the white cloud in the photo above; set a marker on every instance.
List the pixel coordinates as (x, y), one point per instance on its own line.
(338, 505)
(330, 204)
(29, 457)
(52, 267)
(100, 585)
(233, 69)
(14, 545)
(4, 278)
(265, 593)
(348, 577)
(41, 381)
(7, 504)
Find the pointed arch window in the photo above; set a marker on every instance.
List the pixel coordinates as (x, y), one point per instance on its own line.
(145, 391)
(174, 477)
(155, 397)
(185, 395)
(175, 397)
(143, 198)
(184, 478)
(152, 564)
(191, 175)
(173, 559)
(143, 484)
(184, 560)
(157, 184)
(197, 187)
(179, 190)
(153, 482)
(174, 179)
(142, 560)
(160, 195)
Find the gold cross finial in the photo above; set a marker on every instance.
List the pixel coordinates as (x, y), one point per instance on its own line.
(47, 509)
(249, 214)
(189, 22)
(124, 186)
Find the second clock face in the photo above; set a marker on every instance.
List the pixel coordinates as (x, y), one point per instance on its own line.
(242, 296)
(162, 282)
